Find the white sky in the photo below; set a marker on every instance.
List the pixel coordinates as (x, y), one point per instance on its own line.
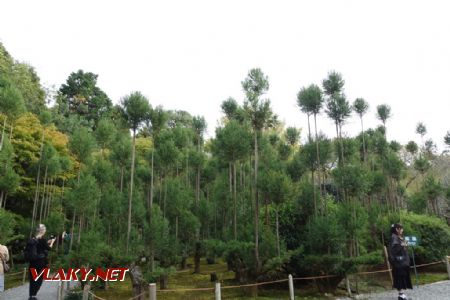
(192, 55)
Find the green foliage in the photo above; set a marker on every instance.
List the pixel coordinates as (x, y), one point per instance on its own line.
(81, 96)
(82, 143)
(352, 178)
(338, 108)
(310, 99)
(214, 249)
(276, 185)
(412, 147)
(7, 226)
(232, 141)
(394, 166)
(421, 129)
(292, 135)
(105, 133)
(328, 229)
(447, 139)
(417, 203)
(135, 109)
(383, 112)
(360, 106)
(229, 108)
(11, 100)
(433, 234)
(84, 196)
(422, 165)
(27, 81)
(258, 111)
(9, 179)
(333, 83)
(163, 242)
(240, 258)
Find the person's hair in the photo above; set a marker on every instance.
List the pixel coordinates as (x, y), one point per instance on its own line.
(395, 226)
(40, 229)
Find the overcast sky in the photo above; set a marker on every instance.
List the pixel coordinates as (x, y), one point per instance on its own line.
(192, 55)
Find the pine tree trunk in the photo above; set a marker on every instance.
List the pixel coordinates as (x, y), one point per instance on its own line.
(165, 196)
(257, 261)
(3, 134)
(342, 143)
(131, 190)
(197, 188)
(234, 202)
(151, 193)
(176, 228)
(278, 232)
(11, 132)
(364, 141)
(43, 195)
(152, 256)
(318, 153)
(79, 229)
(266, 210)
(230, 180)
(121, 178)
(50, 197)
(312, 172)
(187, 169)
(5, 196)
(72, 230)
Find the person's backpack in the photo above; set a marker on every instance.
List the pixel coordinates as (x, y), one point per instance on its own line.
(30, 252)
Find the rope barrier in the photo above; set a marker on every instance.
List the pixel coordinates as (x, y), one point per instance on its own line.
(315, 277)
(95, 296)
(135, 297)
(258, 283)
(13, 274)
(285, 280)
(252, 284)
(430, 264)
(372, 272)
(187, 290)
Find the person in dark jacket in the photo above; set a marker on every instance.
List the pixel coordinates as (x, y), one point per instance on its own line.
(40, 247)
(400, 261)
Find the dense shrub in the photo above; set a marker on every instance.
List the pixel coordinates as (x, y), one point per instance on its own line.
(433, 234)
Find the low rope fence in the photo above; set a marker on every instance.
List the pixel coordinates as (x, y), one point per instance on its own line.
(13, 274)
(95, 296)
(217, 289)
(138, 296)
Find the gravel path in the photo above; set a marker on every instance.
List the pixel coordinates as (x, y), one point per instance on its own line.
(48, 291)
(434, 291)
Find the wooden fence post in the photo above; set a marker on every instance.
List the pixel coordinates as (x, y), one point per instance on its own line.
(291, 288)
(58, 291)
(24, 275)
(62, 292)
(447, 260)
(152, 292)
(388, 265)
(217, 291)
(86, 289)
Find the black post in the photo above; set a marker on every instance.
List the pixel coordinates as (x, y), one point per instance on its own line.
(415, 269)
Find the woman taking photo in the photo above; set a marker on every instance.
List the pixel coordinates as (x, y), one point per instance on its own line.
(400, 261)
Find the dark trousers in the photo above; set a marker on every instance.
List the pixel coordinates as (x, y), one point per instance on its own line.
(35, 285)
